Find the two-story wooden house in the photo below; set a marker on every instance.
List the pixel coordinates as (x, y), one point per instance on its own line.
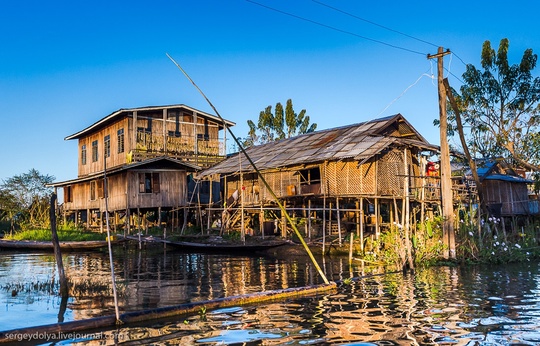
(147, 155)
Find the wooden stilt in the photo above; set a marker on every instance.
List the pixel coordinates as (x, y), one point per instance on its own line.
(309, 219)
(338, 216)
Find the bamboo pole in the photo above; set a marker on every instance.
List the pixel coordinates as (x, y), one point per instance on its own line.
(261, 177)
(171, 311)
(324, 224)
(338, 221)
(309, 219)
(113, 279)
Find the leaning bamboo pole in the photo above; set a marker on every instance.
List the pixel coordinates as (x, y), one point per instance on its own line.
(269, 189)
(169, 311)
(113, 276)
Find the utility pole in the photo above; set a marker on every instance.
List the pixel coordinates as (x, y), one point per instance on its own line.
(447, 199)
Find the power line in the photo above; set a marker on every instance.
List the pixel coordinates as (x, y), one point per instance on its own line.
(457, 56)
(425, 74)
(373, 23)
(336, 29)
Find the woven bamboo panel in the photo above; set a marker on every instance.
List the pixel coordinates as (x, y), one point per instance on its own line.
(391, 174)
(330, 178)
(278, 182)
(368, 178)
(349, 180)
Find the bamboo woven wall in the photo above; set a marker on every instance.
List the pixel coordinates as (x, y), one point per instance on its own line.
(281, 184)
(390, 174)
(344, 178)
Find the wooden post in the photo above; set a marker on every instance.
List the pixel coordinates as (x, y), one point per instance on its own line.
(139, 227)
(377, 230)
(406, 210)
(338, 221)
(360, 222)
(329, 218)
(284, 222)
(127, 229)
(446, 182)
(323, 224)
(57, 253)
(309, 219)
(210, 205)
(261, 220)
(100, 221)
(351, 235)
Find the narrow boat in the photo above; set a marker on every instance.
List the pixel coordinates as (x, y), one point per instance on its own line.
(48, 245)
(217, 246)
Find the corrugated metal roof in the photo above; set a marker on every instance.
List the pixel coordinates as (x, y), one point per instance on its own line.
(358, 141)
(509, 178)
(100, 123)
(156, 160)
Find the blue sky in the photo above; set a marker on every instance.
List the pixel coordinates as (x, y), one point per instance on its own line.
(66, 64)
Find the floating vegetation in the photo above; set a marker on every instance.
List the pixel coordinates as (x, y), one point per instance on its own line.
(77, 288)
(63, 235)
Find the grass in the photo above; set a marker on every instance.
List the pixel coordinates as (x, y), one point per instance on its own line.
(63, 235)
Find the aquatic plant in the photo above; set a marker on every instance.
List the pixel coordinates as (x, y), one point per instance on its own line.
(63, 235)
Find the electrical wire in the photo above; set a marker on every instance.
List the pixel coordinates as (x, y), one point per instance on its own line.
(457, 56)
(373, 23)
(336, 29)
(407, 89)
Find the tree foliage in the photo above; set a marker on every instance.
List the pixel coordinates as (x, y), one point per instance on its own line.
(501, 105)
(278, 125)
(24, 199)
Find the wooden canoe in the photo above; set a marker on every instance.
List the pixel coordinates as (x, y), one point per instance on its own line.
(48, 245)
(228, 247)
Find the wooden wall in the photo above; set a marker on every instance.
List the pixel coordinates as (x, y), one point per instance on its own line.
(511, 198)
(115, 159)
(173, 190)
(124, 192)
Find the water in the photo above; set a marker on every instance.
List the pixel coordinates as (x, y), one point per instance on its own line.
(436, 306)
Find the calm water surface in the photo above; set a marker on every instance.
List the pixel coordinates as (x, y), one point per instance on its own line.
(495, 305)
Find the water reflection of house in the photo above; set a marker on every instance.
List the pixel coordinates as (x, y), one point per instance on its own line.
(354, 177)
(147, 153)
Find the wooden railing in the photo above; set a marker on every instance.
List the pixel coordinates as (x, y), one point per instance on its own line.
(187, 148)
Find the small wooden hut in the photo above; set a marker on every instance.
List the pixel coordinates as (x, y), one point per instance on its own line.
(505, 191)
(359, 177)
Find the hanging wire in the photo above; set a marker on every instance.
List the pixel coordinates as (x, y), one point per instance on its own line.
(336, 29)
(406, 89)
(280, 205)
(373, 23)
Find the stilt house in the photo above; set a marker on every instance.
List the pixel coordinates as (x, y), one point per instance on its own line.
(359, 177)
(146, 154)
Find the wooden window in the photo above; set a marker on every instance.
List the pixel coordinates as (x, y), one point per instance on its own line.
(310, 176)
(100, 188)
(96, 189)
(120, 140)
(149, 183)
(107, 145)
(94, 151)
(83, 154)
(68, 193)
(93, 190)
(310, 180)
